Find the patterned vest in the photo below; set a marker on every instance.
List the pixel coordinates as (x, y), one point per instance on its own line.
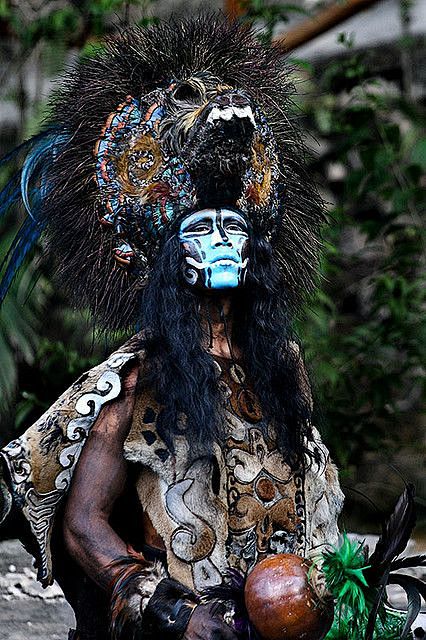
(229, 510)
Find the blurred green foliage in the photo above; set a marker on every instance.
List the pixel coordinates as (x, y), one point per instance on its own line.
(267, 15)
(20, 322)
(57, 365)
(364, 331)
(70, 24)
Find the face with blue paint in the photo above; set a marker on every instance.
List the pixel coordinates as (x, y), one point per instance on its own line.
(215, 245)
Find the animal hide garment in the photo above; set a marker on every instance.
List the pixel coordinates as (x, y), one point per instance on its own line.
(227, 510)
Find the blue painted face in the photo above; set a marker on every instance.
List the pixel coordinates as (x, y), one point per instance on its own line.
(215, 244)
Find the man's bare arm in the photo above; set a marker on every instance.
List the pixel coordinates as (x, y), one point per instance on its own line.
(98, 481)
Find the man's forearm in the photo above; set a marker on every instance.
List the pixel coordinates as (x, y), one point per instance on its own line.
(95, 546)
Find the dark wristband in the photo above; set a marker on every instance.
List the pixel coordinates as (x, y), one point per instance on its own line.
(168, 611)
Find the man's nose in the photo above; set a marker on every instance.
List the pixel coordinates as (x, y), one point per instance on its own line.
(219, 237)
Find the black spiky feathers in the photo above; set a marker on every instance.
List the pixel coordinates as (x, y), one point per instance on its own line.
(135, 63)
(385, 560)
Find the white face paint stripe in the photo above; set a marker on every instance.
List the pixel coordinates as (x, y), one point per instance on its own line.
(194, 217)
(213, 241)
(205, 265)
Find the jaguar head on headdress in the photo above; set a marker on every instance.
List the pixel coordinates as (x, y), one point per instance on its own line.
(165, 121)
(196, 143)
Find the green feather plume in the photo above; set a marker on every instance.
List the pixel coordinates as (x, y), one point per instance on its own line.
(343, 568)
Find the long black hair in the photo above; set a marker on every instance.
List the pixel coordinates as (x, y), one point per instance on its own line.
(182, 373)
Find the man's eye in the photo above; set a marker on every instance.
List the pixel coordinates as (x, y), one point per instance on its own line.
(236, 227)
(201, 227)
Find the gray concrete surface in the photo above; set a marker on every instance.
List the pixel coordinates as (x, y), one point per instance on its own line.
(27, 611)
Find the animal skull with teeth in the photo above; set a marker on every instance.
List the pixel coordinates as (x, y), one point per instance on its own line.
(196, 143)
(187, 115)
(229, 112)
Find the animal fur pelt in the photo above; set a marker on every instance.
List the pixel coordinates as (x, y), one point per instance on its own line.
(135, 583)
(356, 581)
(186, 65)
(146, 603)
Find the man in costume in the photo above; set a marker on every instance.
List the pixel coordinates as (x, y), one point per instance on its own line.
(171, 191)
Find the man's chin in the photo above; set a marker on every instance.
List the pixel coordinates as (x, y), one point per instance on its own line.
(225, 279)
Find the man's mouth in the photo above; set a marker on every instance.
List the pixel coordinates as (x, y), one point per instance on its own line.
(219, 261)
(224, 261)
(227, 113)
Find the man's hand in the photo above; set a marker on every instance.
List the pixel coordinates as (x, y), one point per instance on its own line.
(206, 623)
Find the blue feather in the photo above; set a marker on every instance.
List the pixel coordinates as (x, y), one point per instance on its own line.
(24, 242)
(24, 146)
(29, 187)
(9, 194)
(41, 154)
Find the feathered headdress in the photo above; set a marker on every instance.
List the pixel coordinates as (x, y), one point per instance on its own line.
(166, 120)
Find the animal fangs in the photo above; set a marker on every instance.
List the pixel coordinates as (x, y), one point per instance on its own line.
(229, 112)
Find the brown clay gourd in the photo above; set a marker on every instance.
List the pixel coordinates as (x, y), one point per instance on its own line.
(282, 602)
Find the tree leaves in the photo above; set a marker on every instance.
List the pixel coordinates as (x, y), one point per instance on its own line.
(366, 348)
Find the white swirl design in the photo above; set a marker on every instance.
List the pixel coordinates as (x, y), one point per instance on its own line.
(89, 405)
